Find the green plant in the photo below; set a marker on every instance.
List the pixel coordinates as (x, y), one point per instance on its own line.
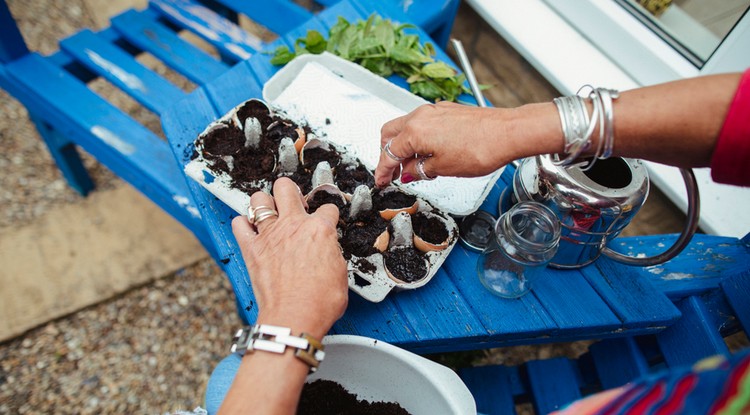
(384, 48)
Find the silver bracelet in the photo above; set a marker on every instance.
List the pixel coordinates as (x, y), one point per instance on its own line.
(578, 127)
(275, 339)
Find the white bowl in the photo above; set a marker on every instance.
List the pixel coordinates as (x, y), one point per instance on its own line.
(377, 371)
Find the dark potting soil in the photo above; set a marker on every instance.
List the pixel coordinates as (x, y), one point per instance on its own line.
(429, 228)
(366, 267)
(392, 200)
(313, 156)
(280, 129)
(321, 198)
(406, 264)
(358, 236)
(225, 141)
(257, 110)
(361, 282)
(303, 178)
(325, 397)
(350, 177)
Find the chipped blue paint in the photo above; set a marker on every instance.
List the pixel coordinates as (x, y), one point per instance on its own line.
(184, 202)
(112, 140)
(129, 80)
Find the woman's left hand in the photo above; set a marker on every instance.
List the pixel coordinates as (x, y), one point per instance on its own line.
(298, 274)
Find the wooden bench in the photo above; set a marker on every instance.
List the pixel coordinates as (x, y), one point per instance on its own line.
(68, 114)
(708, 317)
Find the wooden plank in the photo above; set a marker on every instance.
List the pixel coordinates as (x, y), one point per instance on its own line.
(228, 38)
(142, 30)
(692, 337)
(704, 263)
(554, 383)
(127, 148)
(618, 361)
(491, 388)
(12, 45)
(280, 16)
(633, 299)
(737, 292)
(118, 67)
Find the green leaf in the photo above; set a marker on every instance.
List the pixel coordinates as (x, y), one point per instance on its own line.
(438, 70)
(314, 42)
(282, 55)
(403, 54)
(384, 48)
(426, 89)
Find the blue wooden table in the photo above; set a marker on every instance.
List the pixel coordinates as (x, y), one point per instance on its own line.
(454, 312)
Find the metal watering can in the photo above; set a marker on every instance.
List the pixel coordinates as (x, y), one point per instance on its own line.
(594, 206)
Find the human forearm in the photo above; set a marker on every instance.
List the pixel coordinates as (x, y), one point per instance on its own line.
(675, 123)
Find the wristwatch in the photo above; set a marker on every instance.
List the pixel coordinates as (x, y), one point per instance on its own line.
(275, 339)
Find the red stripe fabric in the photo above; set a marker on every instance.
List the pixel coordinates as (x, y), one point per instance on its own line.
(730, 162)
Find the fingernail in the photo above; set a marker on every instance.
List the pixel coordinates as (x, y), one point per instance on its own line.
(406, 178)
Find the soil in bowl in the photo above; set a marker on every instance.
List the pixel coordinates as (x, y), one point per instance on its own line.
(429, 228)
(321, 198)
(351, 176)
(325, 397)
(406, 264)
(359, 237)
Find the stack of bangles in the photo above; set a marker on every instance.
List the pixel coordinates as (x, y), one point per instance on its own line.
(578, 127)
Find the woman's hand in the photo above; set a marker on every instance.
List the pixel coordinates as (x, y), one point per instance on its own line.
(465, 141)
(296, 268)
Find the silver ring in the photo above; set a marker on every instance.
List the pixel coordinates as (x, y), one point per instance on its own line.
(263, 216)
(420, 170)
(389, 153)
(252, 213)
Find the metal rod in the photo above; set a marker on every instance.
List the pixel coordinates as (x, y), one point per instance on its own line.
(466, 66)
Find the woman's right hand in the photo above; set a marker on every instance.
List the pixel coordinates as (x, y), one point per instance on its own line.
(464, 141)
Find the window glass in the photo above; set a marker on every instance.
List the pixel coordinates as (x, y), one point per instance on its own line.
(695, 28)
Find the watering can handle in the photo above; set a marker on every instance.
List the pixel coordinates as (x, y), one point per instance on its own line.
(691, 225)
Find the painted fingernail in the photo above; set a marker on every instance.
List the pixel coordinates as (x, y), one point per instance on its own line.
(406, 178)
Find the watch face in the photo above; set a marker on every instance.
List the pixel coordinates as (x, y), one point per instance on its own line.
(476, 230)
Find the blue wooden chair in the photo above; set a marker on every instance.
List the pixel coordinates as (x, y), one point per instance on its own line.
(709, 314)
(67, 113)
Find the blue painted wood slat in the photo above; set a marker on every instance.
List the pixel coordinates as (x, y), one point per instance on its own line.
(633, 299)
(693, 337)
(118, 67)
(127, 148)
(553, 383)
(618, 361)
(270, 14)
(228, 38)
(491, 387)
(701, 266)
(737, 291)
(12, 45)
(66, 156)
(142, 30)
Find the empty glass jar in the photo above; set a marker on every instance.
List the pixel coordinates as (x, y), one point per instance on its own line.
(526, 238)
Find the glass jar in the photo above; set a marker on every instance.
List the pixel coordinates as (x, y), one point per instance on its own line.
(525, 240)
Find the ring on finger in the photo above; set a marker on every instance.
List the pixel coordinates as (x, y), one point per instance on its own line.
(389, 153)
(252, 213)
(263, 216)
(420, 170)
